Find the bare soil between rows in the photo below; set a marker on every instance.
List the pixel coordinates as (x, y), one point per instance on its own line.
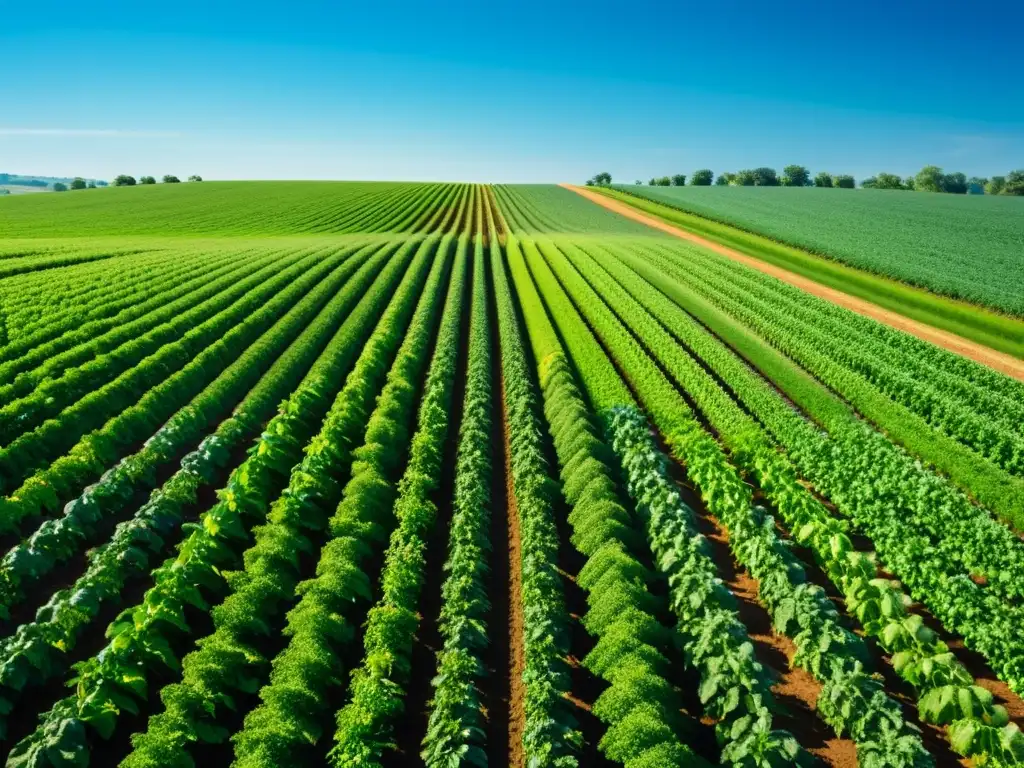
(979, 353)
(516, 662)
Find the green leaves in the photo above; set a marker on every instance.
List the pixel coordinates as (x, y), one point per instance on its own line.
(943, 704)
(274, 731)
(1004, 745)
(938, 540)
(366, 724)
(141, 633)
(734, 688)
(455, 734)
(550, 737)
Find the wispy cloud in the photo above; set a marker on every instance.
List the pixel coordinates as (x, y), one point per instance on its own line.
(113, 133)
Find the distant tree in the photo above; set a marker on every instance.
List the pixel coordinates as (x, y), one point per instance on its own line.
(844, 181)
(679, 180)
(1014, 183)
(976, 185)
(929, 179)
(639, 183)
(995, 185)
(765, 177)
(60, 187)
(909, 183)
(147, 180)
(169, 179)
(195, 178)
(795, 176)
(124, 181)
(954, 183)
(888, 181)
(78, 183)
(590, 182)
(744, 178)
(600, 179)
(102, 184)
(725, 179)
(869, 183)
(652, 183)
(702, 178)
(823, 179)
(91, 185)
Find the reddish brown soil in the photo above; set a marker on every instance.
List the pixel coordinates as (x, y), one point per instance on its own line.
(516, 654)
(999, 361)
(795, 690)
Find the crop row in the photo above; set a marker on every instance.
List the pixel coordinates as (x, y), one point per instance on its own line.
(366, 724)
(95, 314)
(19, 266)
(308, 672)
(143, 639)
(877, 604)
(550, 735)
(936, 542)
(39, 650)
(957, 396)
(200, 356)
(47, 391)
(57, 540)
(540, 208)
(68, 343)
(979, 475)
(634, 651)
(34, 306)
(964, 247)
(455, 729)
(230, 662)
(735, 688)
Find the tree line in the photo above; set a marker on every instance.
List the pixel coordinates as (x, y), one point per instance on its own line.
(931, 178)
(76, 183)
(129, 181)
(121, 181)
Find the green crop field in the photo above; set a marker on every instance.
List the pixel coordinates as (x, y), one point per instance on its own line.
(380, 474)
(969, 247)
(225, 208)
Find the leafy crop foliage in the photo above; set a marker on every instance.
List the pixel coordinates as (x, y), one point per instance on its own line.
(265, 451)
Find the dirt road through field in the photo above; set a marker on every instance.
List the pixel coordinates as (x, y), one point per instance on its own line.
(1003, 363)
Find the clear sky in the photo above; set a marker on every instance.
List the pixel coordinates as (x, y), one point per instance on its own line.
(492, 91)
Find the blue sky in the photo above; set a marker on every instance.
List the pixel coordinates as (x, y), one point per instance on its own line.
(531, 91)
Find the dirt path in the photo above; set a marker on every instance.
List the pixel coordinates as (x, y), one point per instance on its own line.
(507, 712)
(998, 361)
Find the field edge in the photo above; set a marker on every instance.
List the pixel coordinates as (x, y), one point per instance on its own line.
(973, 322)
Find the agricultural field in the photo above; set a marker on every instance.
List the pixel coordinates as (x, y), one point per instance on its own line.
(227, 208)
(381, 474)
(969, 247)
